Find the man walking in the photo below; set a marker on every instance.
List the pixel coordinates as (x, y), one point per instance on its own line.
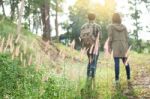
(90, 35)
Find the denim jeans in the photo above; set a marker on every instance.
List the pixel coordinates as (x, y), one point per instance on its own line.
(91, 68)
(117, 67)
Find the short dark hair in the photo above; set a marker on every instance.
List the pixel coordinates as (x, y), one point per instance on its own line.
(91, 16)
(116, 18)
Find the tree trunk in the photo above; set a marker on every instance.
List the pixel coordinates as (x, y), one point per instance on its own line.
(17, 12)
(12, 5)
(46, 21)
(56, 22)
(20, 17)
(2, 4)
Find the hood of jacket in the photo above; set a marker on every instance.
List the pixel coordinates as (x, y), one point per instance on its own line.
(118, 27)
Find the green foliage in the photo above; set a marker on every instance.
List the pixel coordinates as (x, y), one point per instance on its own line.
(136, 16)
(58, 88)
(21, 82)
(17, 81)
(144, 46)
(8, 27)
(9, 72)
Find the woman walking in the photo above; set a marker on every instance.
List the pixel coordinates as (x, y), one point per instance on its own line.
(118, 44)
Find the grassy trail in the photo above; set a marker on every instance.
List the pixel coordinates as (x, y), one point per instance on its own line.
(105, 87)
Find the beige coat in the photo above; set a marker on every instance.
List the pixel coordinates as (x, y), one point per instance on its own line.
(118, 39)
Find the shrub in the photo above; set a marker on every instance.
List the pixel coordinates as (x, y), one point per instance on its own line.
(17, 81)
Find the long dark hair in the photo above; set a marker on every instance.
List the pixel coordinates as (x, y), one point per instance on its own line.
(116, 18)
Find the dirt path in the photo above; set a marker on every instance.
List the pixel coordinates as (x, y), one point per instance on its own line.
(141, 82)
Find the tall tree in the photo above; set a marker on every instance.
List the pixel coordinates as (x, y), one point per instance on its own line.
(135, 15)
(56, 19)
(27, 13)
(32, 14)
(20, 16)
(147, 3)
(2, 4)
(45, 9)
(14, 7)
(56, 7)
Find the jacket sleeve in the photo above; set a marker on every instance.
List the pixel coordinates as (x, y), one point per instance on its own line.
(109, 29)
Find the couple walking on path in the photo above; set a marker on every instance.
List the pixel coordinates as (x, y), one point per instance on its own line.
(117, 43)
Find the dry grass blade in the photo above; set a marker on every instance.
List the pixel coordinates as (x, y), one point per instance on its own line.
(59, 53)
(91, 49)
(17, 50)
(49, 55)
(11, 41)
(2, 45)
(12, 56)
(12, 49)
(79, 39)
(36, 59)
(127, 53)
(112, 54)
(46, 46)
(82, 52)
(25, 48)
(30, 60)
(63, 56)
(127, 61)
(17, 39)
(7, 43)
(24, 63)
(72, 45)
(21, 57)
(39, 60)
(106, 48)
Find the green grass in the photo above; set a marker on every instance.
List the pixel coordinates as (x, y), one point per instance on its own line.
(105, 87)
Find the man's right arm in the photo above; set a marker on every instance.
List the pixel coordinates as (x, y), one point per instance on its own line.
(99, 32)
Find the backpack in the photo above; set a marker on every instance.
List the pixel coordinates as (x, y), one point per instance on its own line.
(87, 36)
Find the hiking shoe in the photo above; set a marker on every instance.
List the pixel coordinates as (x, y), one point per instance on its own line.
(116, 83)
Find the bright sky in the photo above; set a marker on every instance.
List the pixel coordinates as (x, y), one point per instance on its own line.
(122, 6)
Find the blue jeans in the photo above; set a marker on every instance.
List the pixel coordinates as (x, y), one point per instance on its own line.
(117, 67)
(91, 68)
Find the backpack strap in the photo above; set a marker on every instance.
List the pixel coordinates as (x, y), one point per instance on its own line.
(94, 30)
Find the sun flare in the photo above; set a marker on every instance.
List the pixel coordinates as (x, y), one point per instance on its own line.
(102, 2)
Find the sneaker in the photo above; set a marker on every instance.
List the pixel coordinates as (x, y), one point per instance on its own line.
(117, 81)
